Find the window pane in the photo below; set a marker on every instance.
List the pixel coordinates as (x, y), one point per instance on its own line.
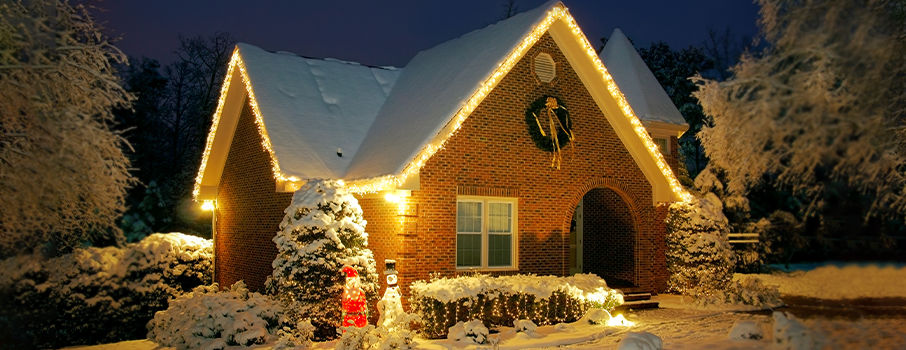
(499, 251)
(500, 217)
(468, 217)
(468, 249)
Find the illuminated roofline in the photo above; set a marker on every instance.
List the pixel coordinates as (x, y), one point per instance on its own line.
(558, 12)
(389, 182)
(236, 61)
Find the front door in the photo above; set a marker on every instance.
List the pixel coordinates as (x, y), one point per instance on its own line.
(575, 241)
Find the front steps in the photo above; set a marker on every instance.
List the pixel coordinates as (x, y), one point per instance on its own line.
(636, 300)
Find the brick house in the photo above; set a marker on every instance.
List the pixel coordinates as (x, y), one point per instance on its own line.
(440, 157)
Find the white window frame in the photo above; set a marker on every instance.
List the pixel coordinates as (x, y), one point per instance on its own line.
(666, 149)
(514, 226)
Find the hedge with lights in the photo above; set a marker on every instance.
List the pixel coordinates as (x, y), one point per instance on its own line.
(499, 303)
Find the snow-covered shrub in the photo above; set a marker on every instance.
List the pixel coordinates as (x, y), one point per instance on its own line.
(373, 338)
(322, 231)
(295, 337)
(527, 326)
(699, 258)
(596, 316)
(748, 291)
(640, 341)
(472, 331)
(502, 300)
(97, 295)
(207, 318)
(792, 334)
(746, 330)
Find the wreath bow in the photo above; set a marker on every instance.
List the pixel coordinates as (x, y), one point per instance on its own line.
(550, 106)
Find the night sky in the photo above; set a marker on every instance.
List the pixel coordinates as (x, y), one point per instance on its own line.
(392, 32)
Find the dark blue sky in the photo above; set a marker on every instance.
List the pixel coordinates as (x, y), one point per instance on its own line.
(390, 32)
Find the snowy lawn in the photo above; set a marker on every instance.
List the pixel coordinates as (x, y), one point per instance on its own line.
(840, 282)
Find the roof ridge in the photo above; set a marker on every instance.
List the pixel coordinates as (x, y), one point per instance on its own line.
(328, 59)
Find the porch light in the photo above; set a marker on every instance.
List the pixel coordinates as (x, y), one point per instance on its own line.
(396, 196)
(207, 205)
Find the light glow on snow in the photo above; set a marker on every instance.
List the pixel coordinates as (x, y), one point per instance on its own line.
(558, 12)
(619, 320)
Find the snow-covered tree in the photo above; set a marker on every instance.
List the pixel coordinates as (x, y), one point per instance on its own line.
(699, 258)
(63, 174)
(322, 232)
(824, 102)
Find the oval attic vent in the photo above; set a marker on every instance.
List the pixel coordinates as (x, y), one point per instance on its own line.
(545, 68)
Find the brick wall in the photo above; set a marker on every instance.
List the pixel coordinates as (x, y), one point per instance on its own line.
(493, 150)
(249, 210)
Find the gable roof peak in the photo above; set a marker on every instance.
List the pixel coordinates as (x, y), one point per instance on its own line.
(644, 93)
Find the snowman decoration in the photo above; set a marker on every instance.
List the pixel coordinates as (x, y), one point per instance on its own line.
(390, 306)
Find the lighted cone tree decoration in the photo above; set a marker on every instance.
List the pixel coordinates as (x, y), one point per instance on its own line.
(355, 309)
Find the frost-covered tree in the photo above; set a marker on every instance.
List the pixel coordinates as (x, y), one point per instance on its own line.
(824, 102)
(63, 174)
(322, 232)
(699, 258)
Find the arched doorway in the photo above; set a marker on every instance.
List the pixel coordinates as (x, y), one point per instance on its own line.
(603, 238)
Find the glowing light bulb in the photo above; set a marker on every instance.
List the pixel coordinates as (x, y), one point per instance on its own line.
(207, 205)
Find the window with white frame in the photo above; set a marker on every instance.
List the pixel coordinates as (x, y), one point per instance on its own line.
(663, 144)
(485, 232)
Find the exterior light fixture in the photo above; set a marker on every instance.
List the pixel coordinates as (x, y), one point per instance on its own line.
(207, 205)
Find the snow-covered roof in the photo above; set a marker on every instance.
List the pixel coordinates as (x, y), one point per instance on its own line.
(432, 88)
(388, 121)
(646, 96)
(314, 107)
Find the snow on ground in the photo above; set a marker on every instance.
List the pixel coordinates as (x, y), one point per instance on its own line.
(840, 282)
(678, 328)
(682, 326)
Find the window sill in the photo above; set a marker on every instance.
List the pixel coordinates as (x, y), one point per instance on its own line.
(487, 269)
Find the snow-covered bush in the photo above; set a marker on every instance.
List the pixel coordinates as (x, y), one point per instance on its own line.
(97, 295)
(699, 258)
(792, 334)
(747, 291)
(295, 337)
(502, 300)
(596, 316)
(640, 341)
(746, 330)
(323, 230)
(374, 338)
(207, 318)
(527, 326)
(472, 331)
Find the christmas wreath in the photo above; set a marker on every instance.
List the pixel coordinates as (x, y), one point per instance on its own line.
(544, 128)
